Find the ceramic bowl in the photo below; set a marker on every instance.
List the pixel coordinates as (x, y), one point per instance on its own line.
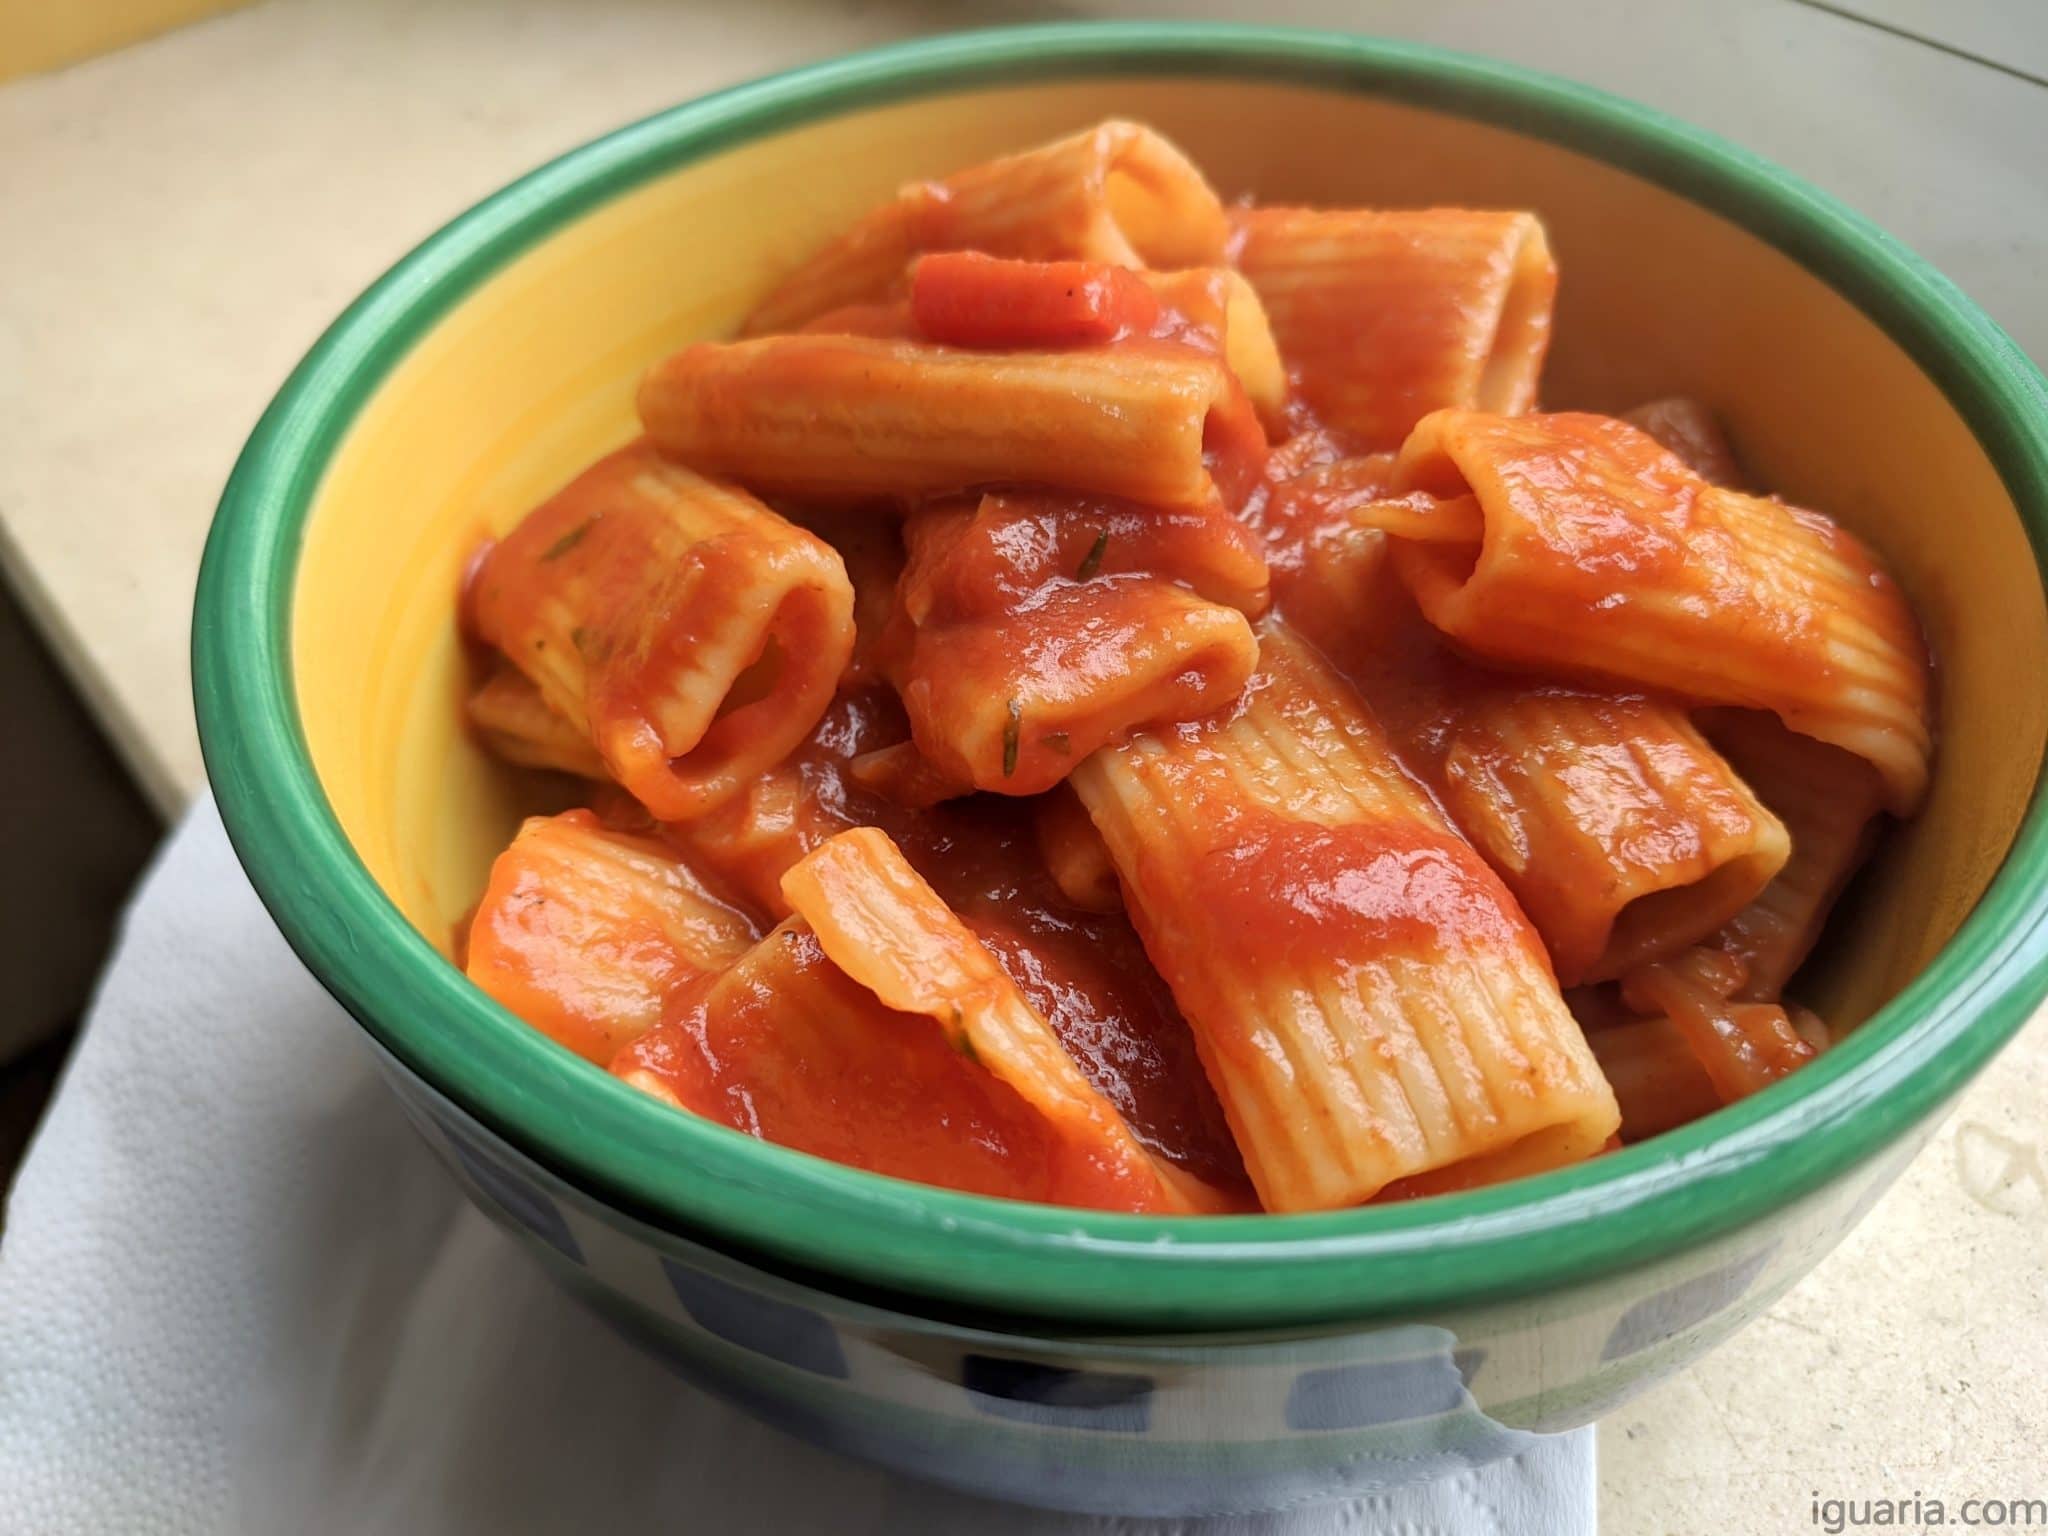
(1077, 1359)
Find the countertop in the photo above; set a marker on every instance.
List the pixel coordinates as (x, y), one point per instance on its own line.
(180, 219)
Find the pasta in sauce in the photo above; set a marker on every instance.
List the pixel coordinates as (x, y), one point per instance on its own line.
(1102, 698)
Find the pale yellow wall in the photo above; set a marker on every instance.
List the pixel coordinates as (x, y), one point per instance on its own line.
(36, 35)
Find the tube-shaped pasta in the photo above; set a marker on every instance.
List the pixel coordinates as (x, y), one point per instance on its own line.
(1828, 800)
(1366, 997)
(1038, 628)
(1075, 855)
(1657, 1080)
(748, 840)
(785, 1046)
(1117, 192)
(1385, 316)
(887, 929)
(1603, 556)
(1223, 309)
(901, 774)
(584, 932)
(514, 721)
(1011, 704)
(873, 1028)
(966, 299)
(978, 556)
(1621, 832)
(845, 417)
(1329, 568)
(1742, 1046)
(694, 634)
(1084, 970)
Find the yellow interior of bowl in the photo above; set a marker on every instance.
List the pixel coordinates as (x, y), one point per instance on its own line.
(532, 376)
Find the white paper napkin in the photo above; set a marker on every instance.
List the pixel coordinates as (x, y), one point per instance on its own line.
(237, 1296)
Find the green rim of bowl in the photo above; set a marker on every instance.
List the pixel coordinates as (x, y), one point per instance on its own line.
(937, 1249)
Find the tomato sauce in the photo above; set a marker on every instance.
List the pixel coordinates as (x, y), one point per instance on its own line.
(1000, 554)
(1085, 971)
(1301, 894)
(787, 1048)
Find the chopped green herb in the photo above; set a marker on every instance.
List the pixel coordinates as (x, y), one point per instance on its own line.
(1057, 741)
(1092, 561)
(567, 541)
(1011, 731)
(580, 638)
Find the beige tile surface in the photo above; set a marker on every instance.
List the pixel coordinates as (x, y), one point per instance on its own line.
(179, 220)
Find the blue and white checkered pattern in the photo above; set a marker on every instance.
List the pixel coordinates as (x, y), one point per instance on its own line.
(1243, 1421)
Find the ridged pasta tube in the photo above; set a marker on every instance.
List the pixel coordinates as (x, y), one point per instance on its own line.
(691, 632)
(1368, 1001)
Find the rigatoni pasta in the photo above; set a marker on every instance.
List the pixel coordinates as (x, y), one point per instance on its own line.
(1327, 563)
(1032, 629)
(1601, 554)
(1118, 193)
(996, 706)
(1221, 305)
(1368, 1001)
(845, 417)
(1101, 699)
(508, 712)
(788, 1047)
(917, 1054)
(1386, 316)
(1829, 801)
(881, 923)
(1623, 834)
(1741, 1046)
(750, 841)
(585, 932)
(690, 631)
(1657, 1079)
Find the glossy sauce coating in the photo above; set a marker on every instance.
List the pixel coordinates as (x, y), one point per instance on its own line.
(1084, 970)
(585, 933)
(1605, 812)
(690, 632)
(1742, 1046)
(1035, 626)
(1005, 551)
(1301, 892)
(1599, 532)
(1087, 973)
(787, 1048)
